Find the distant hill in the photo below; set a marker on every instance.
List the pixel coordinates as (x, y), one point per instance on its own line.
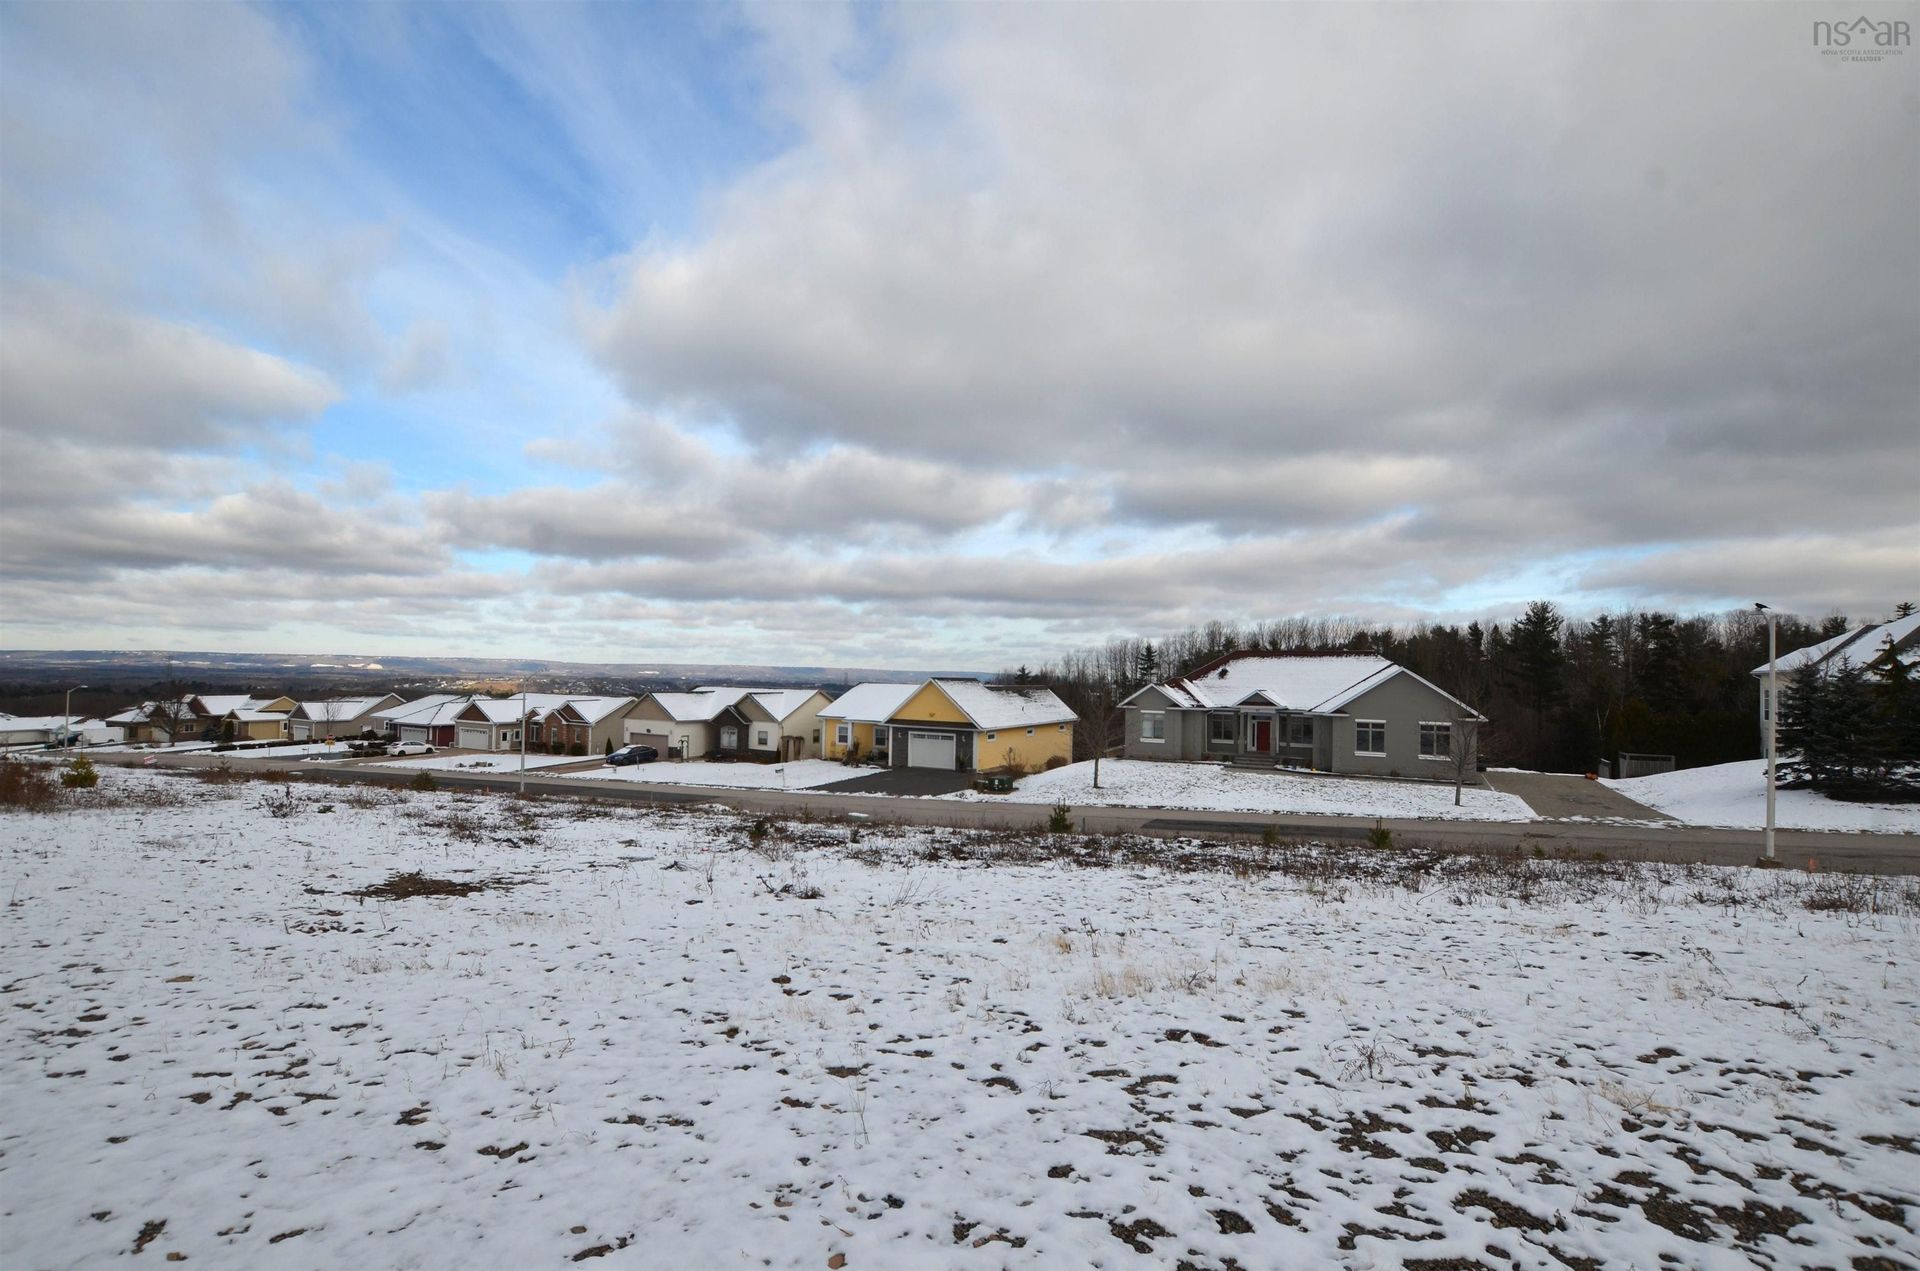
(28, 676)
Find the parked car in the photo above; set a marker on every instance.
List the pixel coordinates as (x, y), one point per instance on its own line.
(410, 748)
(632, 754)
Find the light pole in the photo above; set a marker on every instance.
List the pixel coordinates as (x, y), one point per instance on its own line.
(1773, 714)
(523, 739)
(66, 721)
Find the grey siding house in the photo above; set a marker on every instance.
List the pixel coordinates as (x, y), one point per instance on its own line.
(1348, 713)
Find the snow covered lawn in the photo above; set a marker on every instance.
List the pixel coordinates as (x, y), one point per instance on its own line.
(672, 1038)
(480, 762)
(1211, 788)
(1735, 794)
(797, 774)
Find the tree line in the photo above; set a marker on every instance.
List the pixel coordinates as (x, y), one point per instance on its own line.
(1563, 694)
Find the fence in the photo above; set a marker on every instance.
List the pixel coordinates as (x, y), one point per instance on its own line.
(1644, 765)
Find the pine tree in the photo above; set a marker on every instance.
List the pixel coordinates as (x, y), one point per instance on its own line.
(1146, 664)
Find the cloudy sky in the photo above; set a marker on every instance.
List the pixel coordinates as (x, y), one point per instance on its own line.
(940, 335)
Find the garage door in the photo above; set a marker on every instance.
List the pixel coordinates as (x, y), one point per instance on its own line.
(932, 750)
(471, 738)
(657, 740)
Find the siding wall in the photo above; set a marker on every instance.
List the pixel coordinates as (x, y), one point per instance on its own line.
(1047, 742)
(1403, 702)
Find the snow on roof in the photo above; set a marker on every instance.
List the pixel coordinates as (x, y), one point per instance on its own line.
(249, 716)
(1858, 647)
(869, 703)
(782, 702)
(226, 702)
(702, 703)
(334, 709)
(1317, 683)
(429, 711)
(592, 709)
(993, 706)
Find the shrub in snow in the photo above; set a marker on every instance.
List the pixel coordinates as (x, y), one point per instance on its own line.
(80, 774)
(26, 786)
(1060, 819)
(1380, 836)
(423, 781)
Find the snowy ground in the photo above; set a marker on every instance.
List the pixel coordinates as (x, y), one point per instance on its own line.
(798, 774)
(1211, 788)
(1735, 794)
(479, 762)
(640, 1040)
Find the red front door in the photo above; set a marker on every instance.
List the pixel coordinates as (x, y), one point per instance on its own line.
(1263, 735)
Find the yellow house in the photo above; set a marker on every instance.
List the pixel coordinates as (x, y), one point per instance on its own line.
(951, 724)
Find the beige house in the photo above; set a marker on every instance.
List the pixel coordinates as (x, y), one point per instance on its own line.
(784, 724)
(749, 723)
(338, 717)
(580, 726)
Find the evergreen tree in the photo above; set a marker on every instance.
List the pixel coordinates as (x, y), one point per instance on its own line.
(1146, 666)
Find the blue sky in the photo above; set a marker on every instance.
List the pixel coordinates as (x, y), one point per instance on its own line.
(937, 334)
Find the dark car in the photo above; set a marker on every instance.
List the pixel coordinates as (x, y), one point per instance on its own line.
(632, 754)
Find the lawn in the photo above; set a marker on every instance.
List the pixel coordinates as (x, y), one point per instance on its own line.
(1735, 794)
(1215, 788)
(361, 1027)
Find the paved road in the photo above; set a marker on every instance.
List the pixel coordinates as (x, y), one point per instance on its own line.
(1554, 794)
(1866, 853)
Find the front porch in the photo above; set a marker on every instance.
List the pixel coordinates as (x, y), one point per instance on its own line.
(1268, 737)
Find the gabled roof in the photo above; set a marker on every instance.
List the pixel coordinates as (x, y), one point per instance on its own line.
(702, 704)
(430, 711)
(1315, 684)
(591, 710)
(870, 703)
(782, 702)
(1859, 647)
(332, 710)
(225, 702)
(995, 706)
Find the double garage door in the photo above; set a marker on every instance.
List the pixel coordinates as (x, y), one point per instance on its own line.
(933, 750)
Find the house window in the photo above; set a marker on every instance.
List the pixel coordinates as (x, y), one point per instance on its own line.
(816, 736)
(1153, 725)
(1029, 732)
(1766, 704)
(1300, 731)
(1220, 730)
(1370, 737)
(882, 737)
(991, 736)
(762, 735)
(1436, 740)
(842, 734)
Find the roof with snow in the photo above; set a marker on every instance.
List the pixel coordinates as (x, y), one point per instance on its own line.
(334, 709)
(869, 703)
(506, 710)
(592, 710)
(430, 711)
(1312, 684)
(702, 704)
(993, 706)
(782, 702)
(1858, 647)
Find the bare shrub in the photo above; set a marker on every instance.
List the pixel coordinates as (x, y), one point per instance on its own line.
(27, 787)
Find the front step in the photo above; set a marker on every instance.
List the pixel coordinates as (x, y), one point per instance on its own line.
(1252, 761)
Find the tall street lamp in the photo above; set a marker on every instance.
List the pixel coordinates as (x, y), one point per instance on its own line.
(523, 739)
(66, 722)
(1773, 714)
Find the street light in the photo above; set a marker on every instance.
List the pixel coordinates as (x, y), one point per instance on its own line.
(66, 721)
(1772, 713)
(523, 739)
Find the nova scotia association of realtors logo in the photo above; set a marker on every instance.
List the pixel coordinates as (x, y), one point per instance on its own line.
(1862, 39)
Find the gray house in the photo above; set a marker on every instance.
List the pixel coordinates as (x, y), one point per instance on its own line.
(1355, 713)
(1866, 647)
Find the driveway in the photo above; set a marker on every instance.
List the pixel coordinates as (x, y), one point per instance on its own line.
(915, 782)
(1556, 795)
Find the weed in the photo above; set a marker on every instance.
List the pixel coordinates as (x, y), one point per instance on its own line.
(1380, 837)
(26, 786)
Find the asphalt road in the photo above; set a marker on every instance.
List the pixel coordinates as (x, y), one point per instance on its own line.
(1796, 849)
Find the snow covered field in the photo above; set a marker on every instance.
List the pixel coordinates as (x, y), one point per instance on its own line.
(799, 774)
(638, 1038)
(1735, 794)
(480, 762)
(1207, 787)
